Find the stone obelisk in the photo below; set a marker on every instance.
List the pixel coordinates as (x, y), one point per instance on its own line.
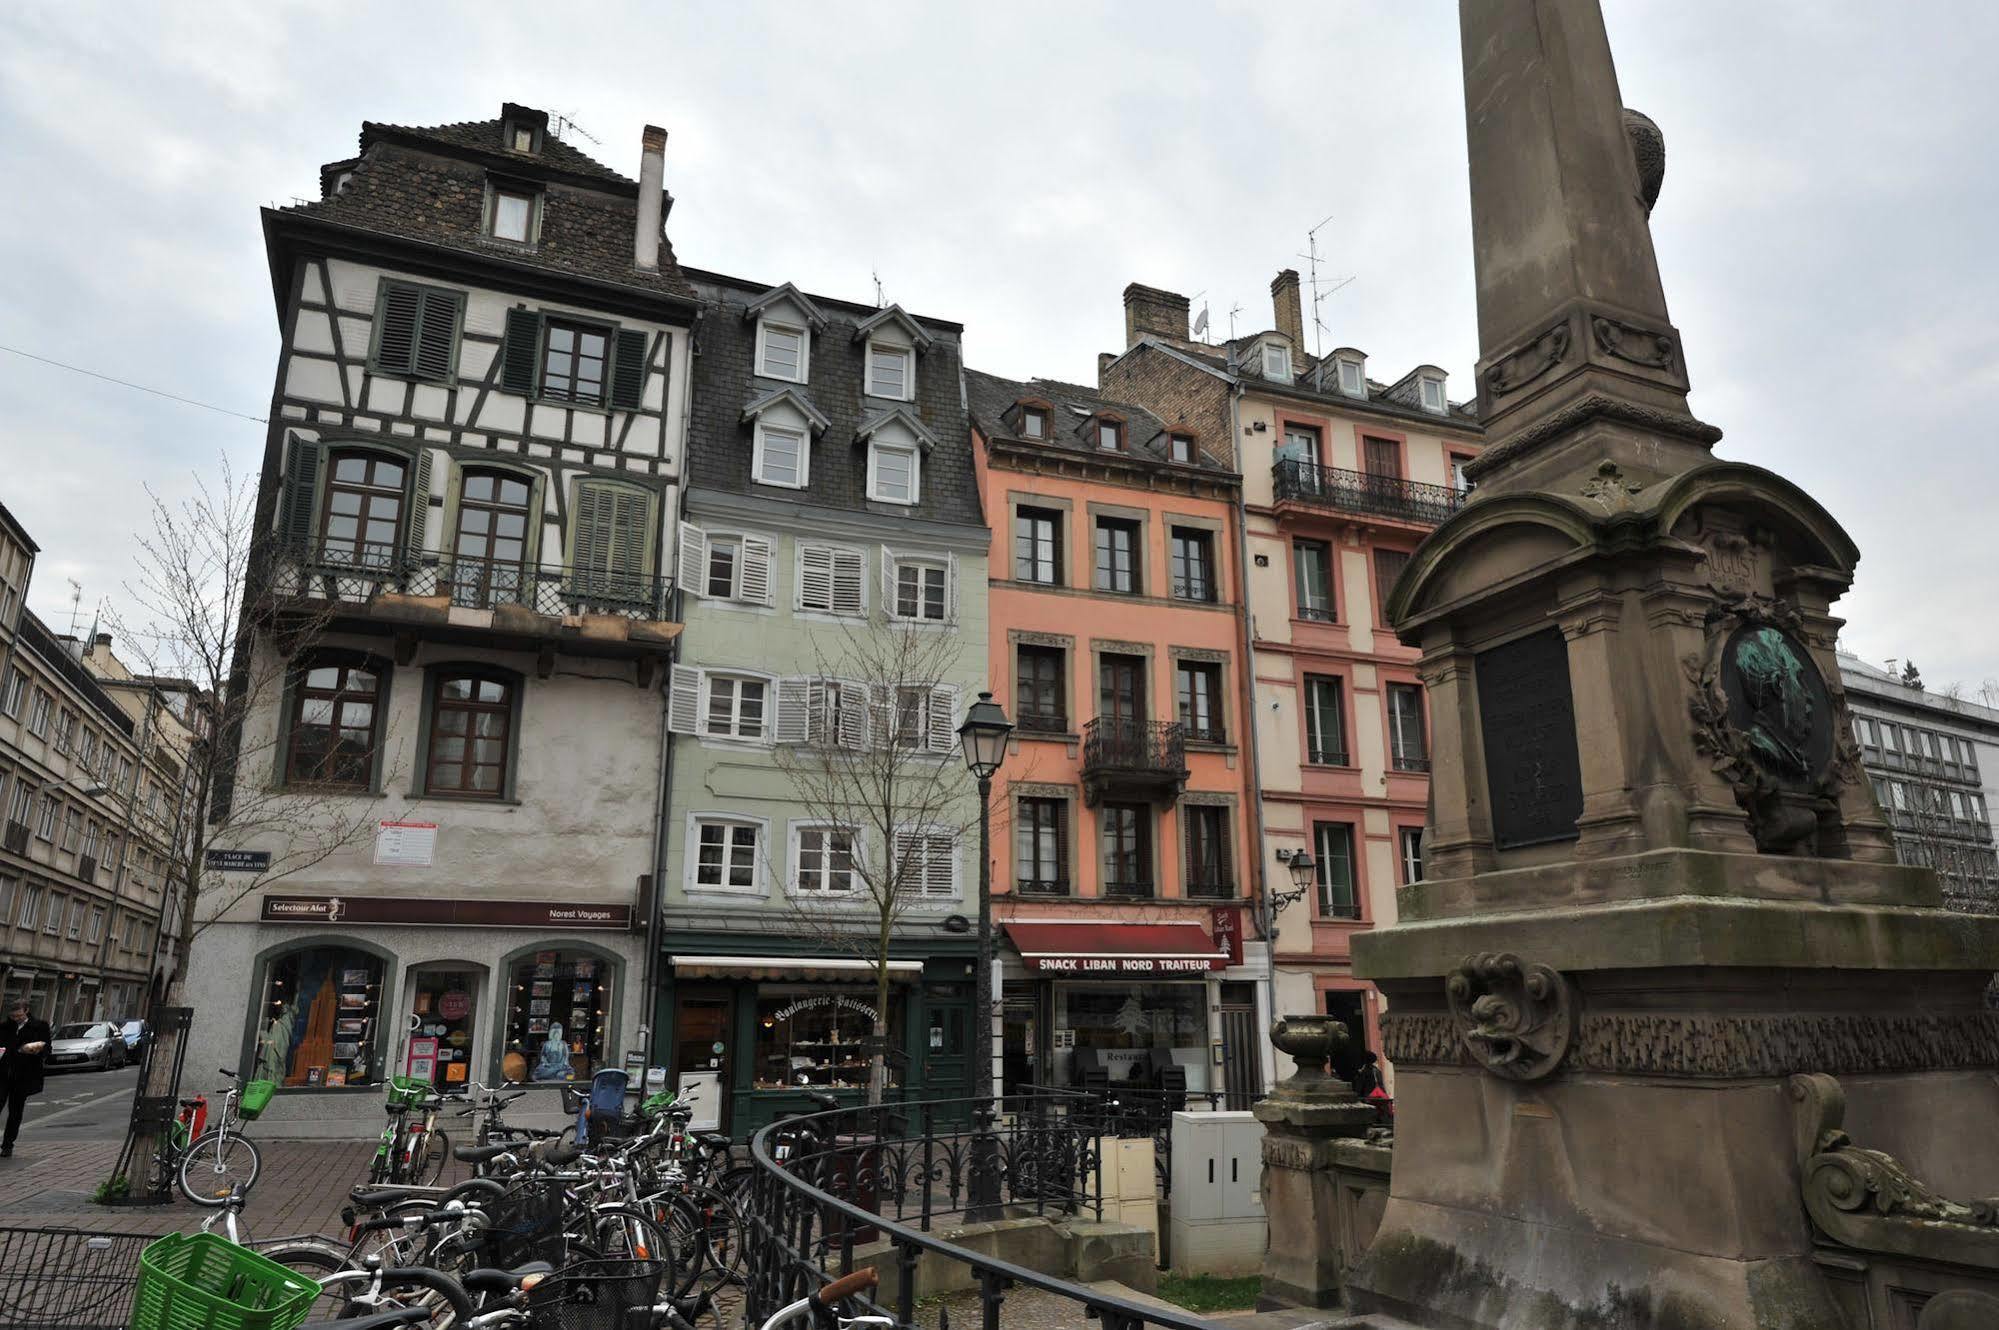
(1661, 904)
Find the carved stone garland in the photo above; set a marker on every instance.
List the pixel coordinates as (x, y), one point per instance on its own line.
(1516, 1019)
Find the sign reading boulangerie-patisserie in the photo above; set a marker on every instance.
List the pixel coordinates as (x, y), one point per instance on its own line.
(450, 913)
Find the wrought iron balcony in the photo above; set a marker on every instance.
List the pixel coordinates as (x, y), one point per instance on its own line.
(1211, 891)
(1145, 758)
(351, 574)
(1129, 890)
(1361, 492)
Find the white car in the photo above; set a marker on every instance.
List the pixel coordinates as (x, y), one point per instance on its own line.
(86, 1045)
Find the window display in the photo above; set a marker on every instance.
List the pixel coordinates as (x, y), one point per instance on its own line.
(1123, 1024)
(557, 1005)
(818, 1036)
(440, 1021)
(320, 1020)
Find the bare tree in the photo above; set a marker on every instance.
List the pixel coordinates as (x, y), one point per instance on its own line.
(187, 614)
(868, 748)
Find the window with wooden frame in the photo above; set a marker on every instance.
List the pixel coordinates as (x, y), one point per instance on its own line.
(334, 725)
(782, 350)
(471, 732)
(39, 713)
(1110, 435)
(360, 524)
(1042, 703)
(1118, 556)
(1388, 567)
(736, 706)
(45, 818)
(732, 567)
(15, 689)
(1125, 831)
(1210, 868)
(1301, 445)
(1333, 851)
(1180, 447)
(416, 331)
(1199, 688)
(52, 917)
(1041, 846)
(895, 473)
(560, 359)
(1276, 362)
(822, 858)
(574, 361)
(1192, 556)
(889, 371)
(1312, 569)
(922, 591)
(1406, 746)
(1381, 458)
(1410, 842)
(726, 855)
(1033, 422)
(510, 213)
(1037, 545)
(1325, 721)
(780, 456)
(489, 550)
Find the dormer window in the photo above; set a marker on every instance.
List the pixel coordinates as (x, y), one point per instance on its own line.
(341, 181)
(781, 352)
(888, 371)
(1110, 436)
(523, 138)
(1277, 362)
(893, 473)
(1033, 423)
(1352, 382)
(511, 214)
(1180, 447)
(1431, 388)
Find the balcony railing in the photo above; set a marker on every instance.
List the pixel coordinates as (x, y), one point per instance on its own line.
(1362, 492)
(1129, 890)
(1116, 744)
(1211, 891)
(355, 574)
(1037, 886)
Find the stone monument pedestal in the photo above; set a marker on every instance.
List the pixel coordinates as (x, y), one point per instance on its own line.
(1302, 1119)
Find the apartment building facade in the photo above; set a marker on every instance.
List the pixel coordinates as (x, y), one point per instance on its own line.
(832, 575)
(447, 781)
(1121, 864)
(1933, 761)
(93, 801)
(1342, 477)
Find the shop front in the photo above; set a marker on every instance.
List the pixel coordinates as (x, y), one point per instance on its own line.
(750, 1035)
(1109, 1006)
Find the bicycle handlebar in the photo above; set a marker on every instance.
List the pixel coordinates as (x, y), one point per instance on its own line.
(843, 1288)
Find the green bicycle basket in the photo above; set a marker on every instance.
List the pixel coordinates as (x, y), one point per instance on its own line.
(408, 1091)
(256, 1097)
(203, 1281)
(656, 1104)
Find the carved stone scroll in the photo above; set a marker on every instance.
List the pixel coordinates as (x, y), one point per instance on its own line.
(1516, 1019)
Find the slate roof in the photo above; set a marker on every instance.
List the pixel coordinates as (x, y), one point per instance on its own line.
(1229, 357)
(726, 382)
(992, 397)
(429, 185)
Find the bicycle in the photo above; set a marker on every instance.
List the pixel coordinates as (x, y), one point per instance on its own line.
(820, 1308)
(214, 1164)
(407, 1154)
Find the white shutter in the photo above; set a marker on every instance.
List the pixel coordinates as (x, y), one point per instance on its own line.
(693, 559)
(881, 715)
(757, 558)
(888, 582)
(950, 588)
(683, 702)
(940, 862)
(789, 726)
(818, 692)
(815, 577)
(853, 715)
(908, 869)
(850, 577)
(943, 718)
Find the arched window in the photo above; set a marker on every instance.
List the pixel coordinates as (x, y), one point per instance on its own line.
(335, 719)
(364, 508)
(471, 729)
(320, 1023)
(490, 547)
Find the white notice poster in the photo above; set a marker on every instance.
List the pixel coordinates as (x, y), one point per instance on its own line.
(405, 844)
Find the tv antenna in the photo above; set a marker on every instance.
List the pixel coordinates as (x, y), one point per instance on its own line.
(75, 604)
(1233, 311)
(1311, 256)
(876, 274)
(565, 123)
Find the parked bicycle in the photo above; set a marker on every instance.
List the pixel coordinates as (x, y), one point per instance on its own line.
(212, 1166)
(411, 1153)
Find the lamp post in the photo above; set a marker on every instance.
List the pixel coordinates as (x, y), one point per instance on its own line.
(1304, 874)
(983, 738)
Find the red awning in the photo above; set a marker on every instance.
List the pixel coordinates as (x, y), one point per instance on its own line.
(1114, 949)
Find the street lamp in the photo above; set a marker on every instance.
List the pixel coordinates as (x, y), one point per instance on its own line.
(983, 739)
(1302, 869)
(1304, 875)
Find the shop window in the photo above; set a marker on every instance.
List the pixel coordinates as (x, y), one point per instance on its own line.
(1113, 1035)
(557, 1009)
(441, 1028)
(320, 1023)
(809, 1034)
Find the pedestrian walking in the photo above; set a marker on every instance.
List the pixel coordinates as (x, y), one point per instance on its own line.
(24, 1042)
(1366, 1079)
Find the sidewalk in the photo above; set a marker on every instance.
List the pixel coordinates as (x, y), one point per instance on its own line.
(301, 1189)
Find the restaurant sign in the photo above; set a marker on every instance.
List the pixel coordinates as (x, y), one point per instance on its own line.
(1124, 964)
(445, 912)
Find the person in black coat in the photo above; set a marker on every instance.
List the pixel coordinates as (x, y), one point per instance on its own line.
(24, 1042)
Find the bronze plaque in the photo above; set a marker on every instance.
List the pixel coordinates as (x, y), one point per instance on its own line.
(1778, 702)
(1528, 723)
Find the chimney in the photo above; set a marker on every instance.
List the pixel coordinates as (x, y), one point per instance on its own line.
(1284, 303)
(652, 186)
(1104, 359)
(104, 642)
(1147, 309)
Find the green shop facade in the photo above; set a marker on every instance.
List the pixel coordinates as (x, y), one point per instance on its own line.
(751, 1022)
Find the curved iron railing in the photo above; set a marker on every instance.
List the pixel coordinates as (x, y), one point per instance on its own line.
(1131, 1112)
(1365, 492)
(355, 574)
(886, 1174)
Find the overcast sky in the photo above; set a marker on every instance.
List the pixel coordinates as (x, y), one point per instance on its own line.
(1824, 233)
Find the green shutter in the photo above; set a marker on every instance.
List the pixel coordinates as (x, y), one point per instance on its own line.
(628, 373)
(419, 506)
(519, 357)
(437, 335)
(301, 482)
(396, 320)
(611, 541)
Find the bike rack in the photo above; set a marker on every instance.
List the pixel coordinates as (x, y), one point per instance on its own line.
(153, 1115)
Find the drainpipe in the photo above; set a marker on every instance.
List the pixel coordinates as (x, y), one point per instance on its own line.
(1266, 918)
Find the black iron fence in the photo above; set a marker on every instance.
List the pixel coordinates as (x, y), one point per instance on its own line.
(68, 1277)
(872, 1185)
(1364, 492)
(355, 573)
(1116, 743)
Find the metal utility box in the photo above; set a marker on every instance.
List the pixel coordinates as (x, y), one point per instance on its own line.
(1217, 1223)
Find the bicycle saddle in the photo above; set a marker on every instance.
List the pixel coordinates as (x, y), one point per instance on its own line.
(714, 1140)
(377, 1198)
(488, 1280)
(480, 1154)
(379, 1321)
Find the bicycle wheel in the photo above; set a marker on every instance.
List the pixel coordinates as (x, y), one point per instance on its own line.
(314, 1260)
(215, 1164)
(707, 1231)
(428, 1160)
(709, 1301)
(620, 1233)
